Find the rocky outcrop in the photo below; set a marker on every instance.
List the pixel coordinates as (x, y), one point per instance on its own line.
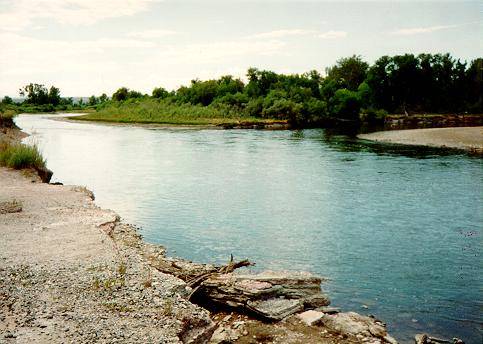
(362, 328)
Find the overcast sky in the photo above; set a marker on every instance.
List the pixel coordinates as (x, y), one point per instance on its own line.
(89, 47)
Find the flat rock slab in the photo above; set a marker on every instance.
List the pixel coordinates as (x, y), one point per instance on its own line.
(311, 317)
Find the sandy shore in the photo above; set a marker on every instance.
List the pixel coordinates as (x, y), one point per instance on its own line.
(465, 138)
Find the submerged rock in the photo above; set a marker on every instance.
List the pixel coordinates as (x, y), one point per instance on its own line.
(423, 338)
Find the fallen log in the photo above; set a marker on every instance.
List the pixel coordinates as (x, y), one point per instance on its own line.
(270, 295)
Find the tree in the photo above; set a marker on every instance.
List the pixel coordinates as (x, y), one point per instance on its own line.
(7, 100)
(134, 94)
(103, 98)
(36, 94)
(345, 105)
(54, 96)
(92, 100)
(474, 77)
(121, 94)
(160, 93)
(349, 71)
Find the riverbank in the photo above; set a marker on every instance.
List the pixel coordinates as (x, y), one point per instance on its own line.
(237, 324)
(70, 271)
(463, 138)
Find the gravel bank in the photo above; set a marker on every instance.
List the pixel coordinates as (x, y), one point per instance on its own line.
(466, 138)
(70, 272)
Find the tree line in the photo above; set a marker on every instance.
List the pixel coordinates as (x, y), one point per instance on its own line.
(351, 90)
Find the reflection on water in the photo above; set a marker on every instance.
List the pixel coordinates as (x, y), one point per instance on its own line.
(387, 224)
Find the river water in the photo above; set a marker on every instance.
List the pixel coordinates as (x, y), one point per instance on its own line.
(396, 229)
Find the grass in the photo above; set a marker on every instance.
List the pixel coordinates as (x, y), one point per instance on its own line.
(152, 111)
(19, 156)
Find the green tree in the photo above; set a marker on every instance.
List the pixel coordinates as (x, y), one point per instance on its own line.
(93, 100)
(7, 100)
(345, 105)
(103, 98)
(160, 93)
(36, 94)
(349, 72)
(53, 96)
(121, 94)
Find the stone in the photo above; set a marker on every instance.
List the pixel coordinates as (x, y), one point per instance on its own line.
(354, 324)
(275, 308)
(44, 173)
(8, 207)
(311, 317)
(421, 338)
(328, 310)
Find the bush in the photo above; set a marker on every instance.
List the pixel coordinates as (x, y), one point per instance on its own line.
(373, 116)
(345, 105)
(20, 156)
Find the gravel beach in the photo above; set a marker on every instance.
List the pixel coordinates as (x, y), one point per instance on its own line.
(466, 138)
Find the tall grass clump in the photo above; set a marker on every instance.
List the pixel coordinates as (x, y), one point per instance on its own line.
(19, 156)
(6, 117)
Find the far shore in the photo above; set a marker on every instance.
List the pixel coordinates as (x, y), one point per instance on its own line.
(463, 138)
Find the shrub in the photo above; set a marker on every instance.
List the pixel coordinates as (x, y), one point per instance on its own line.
(345, 105)
(20, 156)
(372, 115)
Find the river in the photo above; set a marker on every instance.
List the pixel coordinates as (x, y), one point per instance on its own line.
(396, 229)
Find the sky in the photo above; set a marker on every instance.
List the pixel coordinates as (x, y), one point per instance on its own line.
(87, 47)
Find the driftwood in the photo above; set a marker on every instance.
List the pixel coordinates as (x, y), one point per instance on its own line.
(270, 295)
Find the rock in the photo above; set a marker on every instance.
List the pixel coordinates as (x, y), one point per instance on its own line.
(328, 310)
(275, 308)
(270, 295)
(8, 207)
(44, 173)
(356, 325)
(316, 301)
(311, 317)
(225, 335)
(423, 338)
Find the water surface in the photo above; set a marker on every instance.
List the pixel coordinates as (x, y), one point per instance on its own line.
(396, 229)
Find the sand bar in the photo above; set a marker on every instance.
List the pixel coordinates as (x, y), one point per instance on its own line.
(467, 138)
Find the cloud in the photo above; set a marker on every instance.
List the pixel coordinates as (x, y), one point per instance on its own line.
(216, 52)
(298, 32)
(282, 33)
(418, 30)
(150, 34)
(429, 29)
(19, 14)
(332, 34)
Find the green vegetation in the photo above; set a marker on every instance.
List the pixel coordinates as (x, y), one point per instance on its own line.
(352, 91)
(20, 156)
(165, 111)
